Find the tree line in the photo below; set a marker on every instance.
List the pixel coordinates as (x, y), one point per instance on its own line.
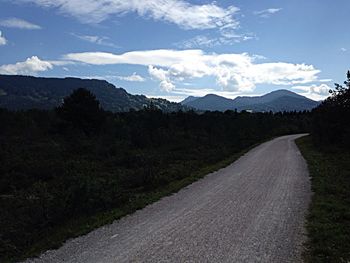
(331, 120)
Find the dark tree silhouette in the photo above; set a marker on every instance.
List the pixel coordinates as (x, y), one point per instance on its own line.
(82, 110)
(51, 174)
(331, 120)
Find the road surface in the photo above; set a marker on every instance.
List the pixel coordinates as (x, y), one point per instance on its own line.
(250, 211)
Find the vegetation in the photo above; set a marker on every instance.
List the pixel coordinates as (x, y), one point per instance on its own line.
(68, 170)
(327, 153)
(27, 92)
(328, 222)
(331, 125)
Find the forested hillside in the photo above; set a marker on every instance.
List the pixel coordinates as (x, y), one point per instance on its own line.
(66, 166)
(27, 92)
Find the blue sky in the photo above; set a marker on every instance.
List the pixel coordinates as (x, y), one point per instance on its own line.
(176, 48)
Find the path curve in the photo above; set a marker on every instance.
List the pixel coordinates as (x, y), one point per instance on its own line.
(251, 211)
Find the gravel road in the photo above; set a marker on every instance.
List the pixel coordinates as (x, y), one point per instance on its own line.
(250, 211)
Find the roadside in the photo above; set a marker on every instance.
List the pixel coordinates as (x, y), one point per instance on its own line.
(251, 211)
(81, 226)
(328, 221)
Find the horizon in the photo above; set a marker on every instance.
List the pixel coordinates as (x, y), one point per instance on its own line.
(235, 96)
(180, 48)
(173, 99)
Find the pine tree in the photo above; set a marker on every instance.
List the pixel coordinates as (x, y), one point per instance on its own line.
(82, 110)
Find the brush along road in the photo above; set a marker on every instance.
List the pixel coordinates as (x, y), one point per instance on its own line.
(251, 211)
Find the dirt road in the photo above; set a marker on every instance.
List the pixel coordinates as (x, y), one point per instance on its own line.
(250, 211)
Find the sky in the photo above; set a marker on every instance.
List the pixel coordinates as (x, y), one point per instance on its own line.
(177, 48)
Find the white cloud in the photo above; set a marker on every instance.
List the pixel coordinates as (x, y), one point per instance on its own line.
(3, 40)
(266, 13)
(160, 57)
(181, 94)
(200, 92)
(233, 72)
(343, 49)
(198, 41)
(61, 62)
(111, 78)
(163, 77)
(325, 80)
(179, 12)
(103, 41)
(224, 39)
(133, 78)
(173, 98)
(30, 66)
(316, 92)
(18, 23)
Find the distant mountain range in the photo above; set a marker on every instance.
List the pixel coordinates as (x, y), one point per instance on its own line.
(26, 92)
(279, 100)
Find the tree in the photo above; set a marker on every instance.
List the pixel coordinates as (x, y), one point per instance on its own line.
(331, 118)
(341, 94)
(82, 110)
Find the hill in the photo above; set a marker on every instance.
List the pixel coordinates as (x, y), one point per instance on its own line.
(27, 92)
(210, 102)
(189, 99)
(279, 100)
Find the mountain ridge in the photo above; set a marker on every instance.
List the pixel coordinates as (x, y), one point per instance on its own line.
(28, 92)
(19, 92)
(278, 100)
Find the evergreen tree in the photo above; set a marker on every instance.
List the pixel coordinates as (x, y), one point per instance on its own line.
(82, 110)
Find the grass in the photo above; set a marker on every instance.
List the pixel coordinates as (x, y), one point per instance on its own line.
(328, 221)
(80, 226)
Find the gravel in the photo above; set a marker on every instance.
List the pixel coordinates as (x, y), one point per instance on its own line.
(251, 211)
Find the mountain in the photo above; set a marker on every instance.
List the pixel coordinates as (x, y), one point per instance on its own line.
(267, 98)
(210, 102)
(26, 92)
(279, 100)
(188, 99)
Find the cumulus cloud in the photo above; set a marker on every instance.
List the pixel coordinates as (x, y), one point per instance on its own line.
(30, 66)
(343, 49)
(179, 12)
(103, 41)
(3, 40)
(18, 23)
(163, 77)
(133, 78)
(317, 92)
(233, 72)
(266, 13)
